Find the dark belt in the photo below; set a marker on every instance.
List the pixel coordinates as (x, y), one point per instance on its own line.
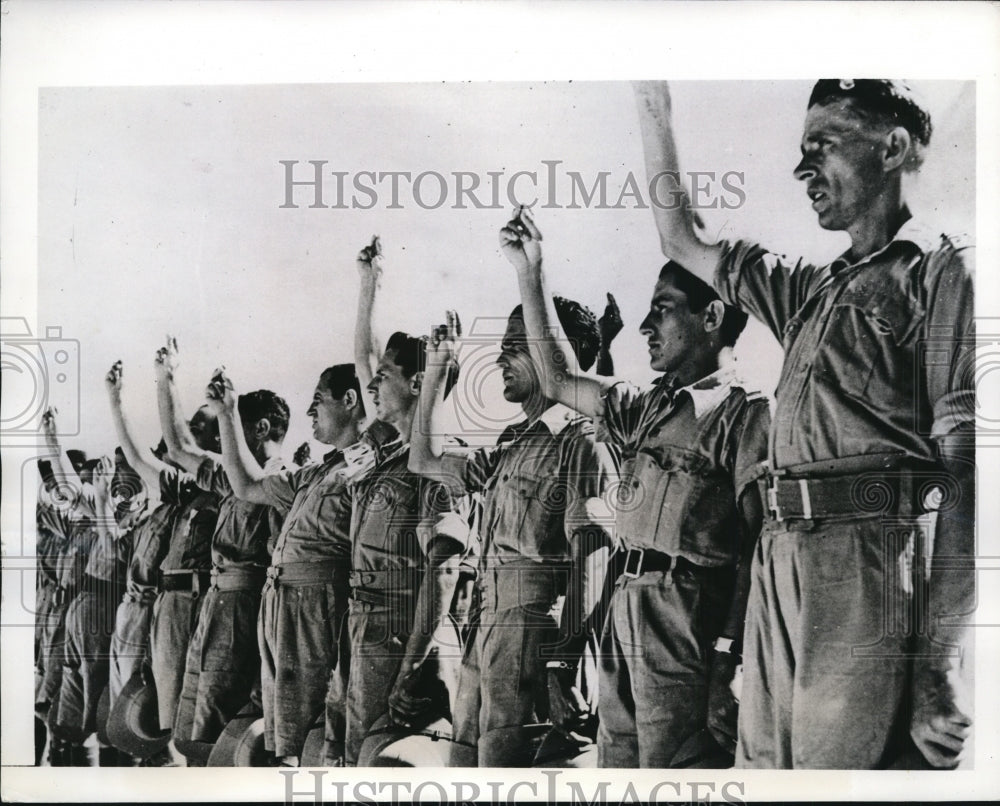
(238, 579)
(387, 598)
(143, 596)
(865, 494)
(328, 572)
(197, 582)
(63, 595)
(642, 561)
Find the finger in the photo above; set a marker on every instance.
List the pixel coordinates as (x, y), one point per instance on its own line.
(458, 325)
(173, 344)
(529, 224)
(945, 740)
(509, 234)
(612, 302)
(376, 245)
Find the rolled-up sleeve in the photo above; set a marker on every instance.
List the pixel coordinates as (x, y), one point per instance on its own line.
(950, 338)
(591, 469)
(621, 414)
(281, 487)
(768, 286)
(466, 470)
(443, 514)
(212, 478)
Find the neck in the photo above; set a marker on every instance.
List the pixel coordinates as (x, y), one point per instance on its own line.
(347, 436)
(702, 366)
(266, 450)
(404, 423)
(535, 406)
(880, 224)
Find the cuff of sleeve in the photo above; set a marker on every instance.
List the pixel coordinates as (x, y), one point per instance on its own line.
(448, 524)
(955, 411)
(453, 467)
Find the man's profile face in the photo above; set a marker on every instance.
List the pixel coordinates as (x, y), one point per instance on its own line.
(329, 415)
(392, 393)
(673, 333)
(205, 430)
(520, 379)
(841, 164)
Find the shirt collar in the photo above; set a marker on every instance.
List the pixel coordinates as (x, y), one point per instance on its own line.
(707, 393)
(913, 232)
(555, 418)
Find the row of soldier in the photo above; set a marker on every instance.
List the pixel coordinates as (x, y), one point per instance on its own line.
(711, 575)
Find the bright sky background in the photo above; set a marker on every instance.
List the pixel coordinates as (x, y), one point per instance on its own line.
(160, 212)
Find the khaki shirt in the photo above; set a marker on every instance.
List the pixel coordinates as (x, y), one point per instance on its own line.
(541, 482)
(150, 541)
(52, 527)
(318, 501)
(878, 354)
(72, 560)
(244, 532)
(396, 516)
(689, 455)
(190, 546)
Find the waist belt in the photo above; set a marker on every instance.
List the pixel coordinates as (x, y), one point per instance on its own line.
(510, 585)
(197, 582)
(144, 596)
(63, 594)
(386, 598)
(643, 561)
(238, 579)
(307, 573)
(92, 584)
(864, 494)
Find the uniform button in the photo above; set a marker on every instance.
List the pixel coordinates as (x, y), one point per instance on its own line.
(506, 476)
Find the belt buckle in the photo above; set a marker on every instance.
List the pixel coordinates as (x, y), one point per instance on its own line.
(629, 565)
(772, 499)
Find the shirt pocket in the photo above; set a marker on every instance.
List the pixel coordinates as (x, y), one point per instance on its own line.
(863, 350)
(539, 503)
(390, 516)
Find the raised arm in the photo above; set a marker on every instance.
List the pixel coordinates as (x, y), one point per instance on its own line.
(62, 467)
(561, 376)
(670, 200)
(143, 462)
(244, 473)
(366, 352)
(181, 447)
(426, 443)
(611, 325)
(104, 516)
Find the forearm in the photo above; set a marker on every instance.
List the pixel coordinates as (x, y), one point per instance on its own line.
(426, 441)
(144, 464)
(366, 354)
(62, 467)
(605, 363)
(244, 473)
(671, 203)
(749, 526)
(951, 595)
(172, 422)
(583, 608)
(433, 602)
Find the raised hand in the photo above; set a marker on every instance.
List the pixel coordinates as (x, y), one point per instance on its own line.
(520, 241)
(113, 380)
(370, 260)
(610, 322)
(103, 474)
(219, 393)
(49, 426)
(167, 359)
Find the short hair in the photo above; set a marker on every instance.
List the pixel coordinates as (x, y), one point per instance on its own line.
(580, 326)
(885, 101)
(699, 294)
(340, 378)
(264, 403)
(410, 355)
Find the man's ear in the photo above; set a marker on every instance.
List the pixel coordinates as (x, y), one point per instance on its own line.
(713, 313)
(897, 144)
(350, 399)
(415, 383)
(262, 429)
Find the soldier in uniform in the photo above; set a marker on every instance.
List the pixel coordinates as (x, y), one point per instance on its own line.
(407, 541)
(874, 397)
(185, 572)
(688, 514)
(544, 555)
(305, 597)
(223, 659)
